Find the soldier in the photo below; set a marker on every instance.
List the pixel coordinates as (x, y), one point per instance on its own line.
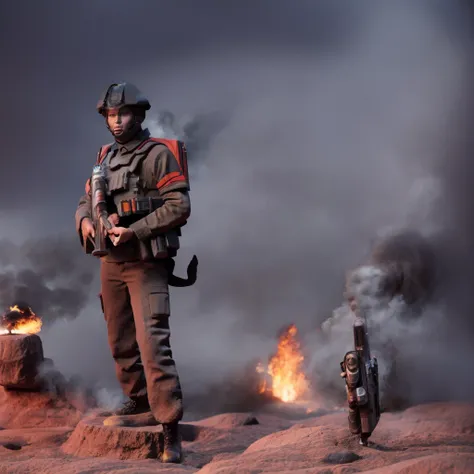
(148, 197)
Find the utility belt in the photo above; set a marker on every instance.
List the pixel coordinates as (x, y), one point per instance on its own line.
(161, 246)
(133, 206)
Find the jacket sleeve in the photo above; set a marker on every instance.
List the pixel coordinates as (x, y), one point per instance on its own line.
(171, 182)
(83, 211)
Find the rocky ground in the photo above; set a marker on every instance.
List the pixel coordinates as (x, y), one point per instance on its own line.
(51, 436)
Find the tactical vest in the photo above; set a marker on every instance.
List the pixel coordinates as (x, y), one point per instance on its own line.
(133, 196)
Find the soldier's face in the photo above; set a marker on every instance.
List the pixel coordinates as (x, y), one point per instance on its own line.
(120, 121)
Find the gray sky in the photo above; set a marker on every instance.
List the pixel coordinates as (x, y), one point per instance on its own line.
(314, 125)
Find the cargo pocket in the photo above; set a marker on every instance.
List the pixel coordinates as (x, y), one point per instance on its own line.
(159, 303)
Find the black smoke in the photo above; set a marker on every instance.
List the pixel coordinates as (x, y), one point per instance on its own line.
(46, 274)
(309, 134)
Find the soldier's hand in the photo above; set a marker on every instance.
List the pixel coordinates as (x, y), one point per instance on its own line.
(87, 229)
(120, 235)
(113, 219)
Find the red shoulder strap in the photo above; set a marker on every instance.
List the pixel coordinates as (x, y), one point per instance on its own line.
(177, 148)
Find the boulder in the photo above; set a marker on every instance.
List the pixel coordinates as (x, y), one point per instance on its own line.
(21, 356)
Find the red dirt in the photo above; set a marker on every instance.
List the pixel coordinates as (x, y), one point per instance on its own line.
(33, 409)
(424, 439)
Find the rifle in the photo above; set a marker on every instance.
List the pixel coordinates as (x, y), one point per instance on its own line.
(99, 213)
(360, 371)
(102, 225)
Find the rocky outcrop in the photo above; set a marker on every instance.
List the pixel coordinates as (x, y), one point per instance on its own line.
(423, 439)
(21, 356)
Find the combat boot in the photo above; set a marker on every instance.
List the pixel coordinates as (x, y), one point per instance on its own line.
(134, 406)
(172, 443)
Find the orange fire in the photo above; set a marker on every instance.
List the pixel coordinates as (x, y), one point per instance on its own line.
(26, 322)
(288, 381)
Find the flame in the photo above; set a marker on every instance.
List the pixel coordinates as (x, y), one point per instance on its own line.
(27, 322)
(263, 384)
(288, 381)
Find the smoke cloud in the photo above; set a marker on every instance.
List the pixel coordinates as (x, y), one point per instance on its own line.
(301, 181)
(196, 132)
(47, 274)
(321, 130)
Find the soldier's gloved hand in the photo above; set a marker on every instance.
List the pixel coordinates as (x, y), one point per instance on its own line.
(113, 219)
(120, 235)
(87, 229)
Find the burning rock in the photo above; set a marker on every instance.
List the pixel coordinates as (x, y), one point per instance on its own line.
(287, 380)
(20, 319)
(21, 350)
(29, 379)
(21, 356)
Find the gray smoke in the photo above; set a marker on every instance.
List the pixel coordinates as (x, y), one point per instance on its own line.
(349, 128)
(394, 292)
(197, 132)
(300, 182)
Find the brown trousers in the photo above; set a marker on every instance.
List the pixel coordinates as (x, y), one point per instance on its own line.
(136, 307)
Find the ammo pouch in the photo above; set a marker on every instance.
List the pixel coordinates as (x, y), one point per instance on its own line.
(159, 247)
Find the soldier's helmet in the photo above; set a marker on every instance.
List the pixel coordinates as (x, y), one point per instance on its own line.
(121, 95)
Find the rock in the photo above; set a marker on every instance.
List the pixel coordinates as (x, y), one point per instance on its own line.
(424, 439)
(342, 457)
(293, 411)
(229, 420)
(251, 420)
(458, 463)
(441, 430)
(92, 438)
(202, 440)
(21, 355)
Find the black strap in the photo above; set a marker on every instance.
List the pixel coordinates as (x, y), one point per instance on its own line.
(176, 281)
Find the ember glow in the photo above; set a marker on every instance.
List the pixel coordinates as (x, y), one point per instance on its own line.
(284, 377)
(20, 320)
